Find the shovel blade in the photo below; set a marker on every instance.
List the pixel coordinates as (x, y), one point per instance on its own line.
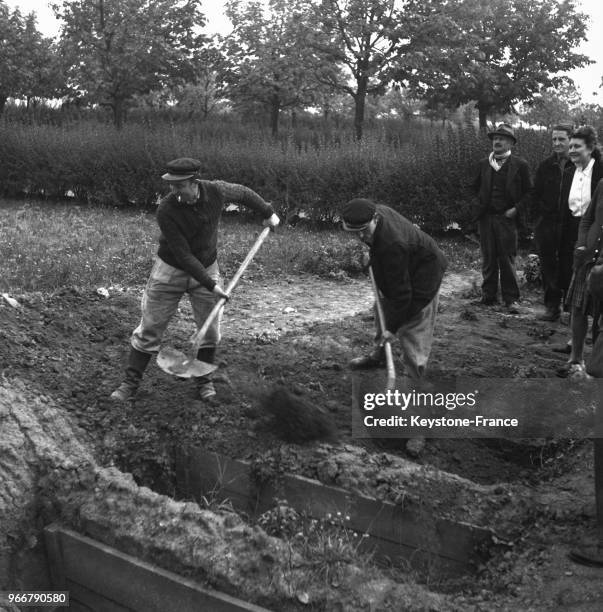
(178, 364)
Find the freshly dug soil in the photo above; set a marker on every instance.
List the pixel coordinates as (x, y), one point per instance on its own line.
(299, 332)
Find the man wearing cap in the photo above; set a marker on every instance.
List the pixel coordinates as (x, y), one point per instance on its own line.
(186, 262)
(408, 268)
(502, 184)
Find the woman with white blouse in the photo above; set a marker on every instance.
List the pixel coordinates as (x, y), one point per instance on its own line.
(585, 155)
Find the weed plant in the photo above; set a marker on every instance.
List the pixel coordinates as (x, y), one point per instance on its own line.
(328, 544)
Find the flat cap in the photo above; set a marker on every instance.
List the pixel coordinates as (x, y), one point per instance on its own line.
(181, 169)
(357, 214)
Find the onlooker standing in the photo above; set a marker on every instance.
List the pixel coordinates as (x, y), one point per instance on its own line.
(585, 155)
(549, 199)
(502, 184)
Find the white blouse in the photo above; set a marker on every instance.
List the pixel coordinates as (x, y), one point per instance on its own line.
(579, 195)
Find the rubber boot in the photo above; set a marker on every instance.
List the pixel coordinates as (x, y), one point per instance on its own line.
(205, 386)
(137, 363)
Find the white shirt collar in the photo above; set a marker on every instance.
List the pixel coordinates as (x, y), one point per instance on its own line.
(588, 171)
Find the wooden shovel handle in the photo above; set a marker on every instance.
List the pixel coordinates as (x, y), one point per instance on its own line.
(233, 282)
(389, 359)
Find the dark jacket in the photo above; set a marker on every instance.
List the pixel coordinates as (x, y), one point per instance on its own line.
(550, 182)
(407, 264)
(517, 192)
(591, 226)
(189, 232)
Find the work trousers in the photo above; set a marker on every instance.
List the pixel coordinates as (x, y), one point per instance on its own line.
(498, 239)
(416, 338)
(556, 253)
(547, 241)
(164, 289)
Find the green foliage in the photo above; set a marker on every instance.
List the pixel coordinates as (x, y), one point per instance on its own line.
(28, 64)
(369, 40)
(328, 543)
(414, 167)
(46, 247)
(270, 62)
(114, 49)
(505, 51)
(552, 105)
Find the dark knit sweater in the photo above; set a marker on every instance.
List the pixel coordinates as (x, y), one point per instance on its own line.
(189, 232)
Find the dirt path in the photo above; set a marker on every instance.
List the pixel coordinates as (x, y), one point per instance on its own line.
(279, 306)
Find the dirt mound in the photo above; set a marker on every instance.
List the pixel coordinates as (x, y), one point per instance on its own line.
(69, 347)
(49, 476)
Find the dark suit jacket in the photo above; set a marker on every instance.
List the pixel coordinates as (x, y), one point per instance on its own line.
(517, 192)
(408, 266)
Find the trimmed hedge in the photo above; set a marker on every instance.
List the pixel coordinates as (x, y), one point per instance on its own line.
(419, 170)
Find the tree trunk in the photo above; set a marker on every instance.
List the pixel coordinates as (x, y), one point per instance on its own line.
(275, 108)
(359, 103)
(483, 115)
(118, 108)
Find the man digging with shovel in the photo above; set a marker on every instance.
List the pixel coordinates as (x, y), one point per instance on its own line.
(186, 262)
(408, 268)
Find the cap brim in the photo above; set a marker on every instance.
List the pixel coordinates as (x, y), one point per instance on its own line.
(491, 136)
(354, 228)
(174, 178)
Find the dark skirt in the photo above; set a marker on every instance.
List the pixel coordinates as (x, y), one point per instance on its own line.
(577, 295)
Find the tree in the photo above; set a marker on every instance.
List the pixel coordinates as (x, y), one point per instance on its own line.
(115, 49)
(588, 114)
(11, 25)
(270, 62)
(552, 105)
(28, 63)
(505, 52)
(41, 74)
(375, 41)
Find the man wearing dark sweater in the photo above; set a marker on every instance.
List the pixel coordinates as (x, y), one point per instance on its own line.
(186, 262)
(408, 268)
(502, 184)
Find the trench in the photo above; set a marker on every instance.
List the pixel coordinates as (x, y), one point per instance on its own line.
(214, 514)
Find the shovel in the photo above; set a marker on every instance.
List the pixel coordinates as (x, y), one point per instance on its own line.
(389, 359)
(176, 362)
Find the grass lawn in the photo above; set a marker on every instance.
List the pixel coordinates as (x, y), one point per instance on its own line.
(47, 246)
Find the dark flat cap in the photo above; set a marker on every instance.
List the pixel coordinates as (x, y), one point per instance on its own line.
(181, 169)
(503, 129)
(357, 214)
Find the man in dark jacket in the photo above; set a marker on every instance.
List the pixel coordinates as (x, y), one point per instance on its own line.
(549, 203)
(186, 262)
(408, 268)
(502, 184)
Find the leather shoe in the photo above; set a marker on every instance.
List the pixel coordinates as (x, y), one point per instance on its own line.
(550, 315)
(566, 349)
(488, 301)
(367, 362)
